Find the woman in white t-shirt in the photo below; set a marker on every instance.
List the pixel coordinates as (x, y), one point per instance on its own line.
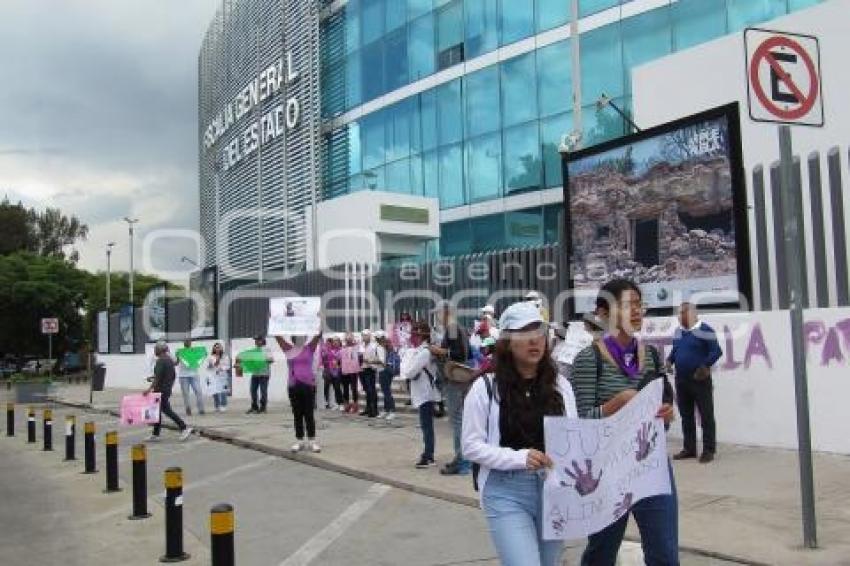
(218, 378)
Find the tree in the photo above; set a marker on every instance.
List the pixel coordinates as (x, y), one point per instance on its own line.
(48, 233)
(16, 229)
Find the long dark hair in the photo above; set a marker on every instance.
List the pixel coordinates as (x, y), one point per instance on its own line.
(509, 383)
(613, 290)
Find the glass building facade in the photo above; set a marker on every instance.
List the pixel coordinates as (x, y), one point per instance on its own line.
(466, 101)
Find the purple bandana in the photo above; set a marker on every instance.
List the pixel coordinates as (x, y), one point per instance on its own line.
(626, 358)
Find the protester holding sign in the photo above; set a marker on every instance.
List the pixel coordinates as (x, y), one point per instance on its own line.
(331, 371)
(218, 379)
(374, 358)
(255, 361)
(606, 376)
(163, 382)
(503, 434)
(302, 388)
(189, 359)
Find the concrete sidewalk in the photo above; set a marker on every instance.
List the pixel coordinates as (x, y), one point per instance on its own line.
(743, 506)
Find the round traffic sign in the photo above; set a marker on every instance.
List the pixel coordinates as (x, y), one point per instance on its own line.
(805, 101)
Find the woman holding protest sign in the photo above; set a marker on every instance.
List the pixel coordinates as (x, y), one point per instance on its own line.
(300, 354)
(503, 436)
(218, 377)
(606, 376)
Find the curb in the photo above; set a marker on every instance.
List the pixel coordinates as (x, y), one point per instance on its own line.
(310, 460)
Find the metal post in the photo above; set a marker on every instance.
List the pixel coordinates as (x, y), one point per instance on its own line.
(575, 52)
(88, 448)
(109, 275)
(131, 222)
(222, 526)
(174, 516)
(792, 222)
(31, 426)
(112, 462)
(48, 430)
(10, 419)
(140, 483)
(50, 354)
(70, 437)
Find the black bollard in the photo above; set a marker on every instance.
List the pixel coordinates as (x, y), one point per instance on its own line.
(112, 462)
(174, 516)
(140, 483)
(70, 437)
(88, 448)
(10, 419)
(31, 426)
(48, 430)
(222, 527)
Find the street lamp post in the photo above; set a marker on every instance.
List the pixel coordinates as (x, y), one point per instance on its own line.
(130, 223)
(108, 273)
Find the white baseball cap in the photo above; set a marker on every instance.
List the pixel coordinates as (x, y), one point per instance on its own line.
(519, 315)
(366, 332)
(532, 295)
(488, 309)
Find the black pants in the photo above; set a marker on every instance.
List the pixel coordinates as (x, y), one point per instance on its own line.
(700, 394)
(331, 381)
(302, 398)
(260, 382)
(369, 379)
(165, 408)
(349, 387)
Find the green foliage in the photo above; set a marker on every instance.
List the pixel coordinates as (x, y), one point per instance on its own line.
(46, 233)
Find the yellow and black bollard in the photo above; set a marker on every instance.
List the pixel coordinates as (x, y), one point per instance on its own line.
(48, 430)
(31, 426)
(10, 419)
(140, 482)
(222, 527)
(70, 437)
(112, 462)
(88, 448)
(174, 516)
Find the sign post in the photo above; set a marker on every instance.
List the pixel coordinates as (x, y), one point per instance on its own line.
(792, 221)
(50, 326)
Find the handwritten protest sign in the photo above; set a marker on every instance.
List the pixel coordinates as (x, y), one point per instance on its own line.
(603, 466)
(297, 316)
(139, 410)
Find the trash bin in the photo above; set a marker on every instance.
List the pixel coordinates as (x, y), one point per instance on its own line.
(98, 377)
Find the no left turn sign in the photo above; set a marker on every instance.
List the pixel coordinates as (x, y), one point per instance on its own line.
(783, 77)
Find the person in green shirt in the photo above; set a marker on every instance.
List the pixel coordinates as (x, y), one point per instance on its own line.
(255, 361)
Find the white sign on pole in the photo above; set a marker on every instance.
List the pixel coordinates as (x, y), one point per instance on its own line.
(783, 77)
(298, 316)
(603, 466)
(50, 326)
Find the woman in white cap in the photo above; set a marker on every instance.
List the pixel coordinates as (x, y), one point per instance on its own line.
(503, 434)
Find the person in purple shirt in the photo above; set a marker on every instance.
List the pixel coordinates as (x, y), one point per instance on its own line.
(300, 355)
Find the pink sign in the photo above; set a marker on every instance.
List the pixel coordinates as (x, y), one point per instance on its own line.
(140, 410)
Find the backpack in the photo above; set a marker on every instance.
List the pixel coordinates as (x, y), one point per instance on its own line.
(476, 467)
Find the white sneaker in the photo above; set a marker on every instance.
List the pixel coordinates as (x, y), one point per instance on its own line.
(152, 438)
(341, 408)
(383, 415)
(186, 433)
(314, 446)
(222, 409)
(390, 417)
(297, 447)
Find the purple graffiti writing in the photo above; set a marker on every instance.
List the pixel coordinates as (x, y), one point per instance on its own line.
(755, 347)
(817, 332)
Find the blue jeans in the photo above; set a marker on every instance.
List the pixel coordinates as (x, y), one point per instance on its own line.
(386, 378)
(195, 383)
(658, 522)
(454, 394)
(426, 421)
(513, 504)
(219, 399)
(368, 378)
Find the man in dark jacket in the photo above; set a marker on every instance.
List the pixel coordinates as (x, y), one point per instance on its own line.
(163, 381)
(695, 350)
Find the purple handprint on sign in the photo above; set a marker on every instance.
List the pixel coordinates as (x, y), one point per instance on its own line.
(645, 443)
(623, 506)
(585, 484)
(559, 523)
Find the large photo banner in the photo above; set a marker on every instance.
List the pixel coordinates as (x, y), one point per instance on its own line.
(665, 208)
(157, 313)
(603, 466)
(126, 329)
(298, 316)
(103, 332)
(202, 289)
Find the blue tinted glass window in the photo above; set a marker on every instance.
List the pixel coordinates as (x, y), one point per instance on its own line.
(352, 26)
(353, 80)
(428, 127)
(551, 130)
(455, 238)
(450, 26)
(697, 21)
(521, 150)
(395, 60)
(354, 149)
(601, 63)
(372, 132)
(398, 176)
(482, 27)
(488, 233)
(602, 125)
(396, 14)
(451, 176)
(551, 14)
(355, 183)
(416, 178)
(416, 8)
(450, 112)
(481, 91)
(587, 7)
(554, 78)
(420, 48)
(431, 174)
(372, 70)
(484, 167)
(519, 89)
(517, 20)
(645, 37)
(524, 228)
(553, 220)
(372, 20)
(743, 13)
(398, 131)
(374, 179)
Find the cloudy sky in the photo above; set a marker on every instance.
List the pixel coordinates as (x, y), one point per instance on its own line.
(98, 116)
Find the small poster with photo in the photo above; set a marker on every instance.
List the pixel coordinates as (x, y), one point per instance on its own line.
(295, 316)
